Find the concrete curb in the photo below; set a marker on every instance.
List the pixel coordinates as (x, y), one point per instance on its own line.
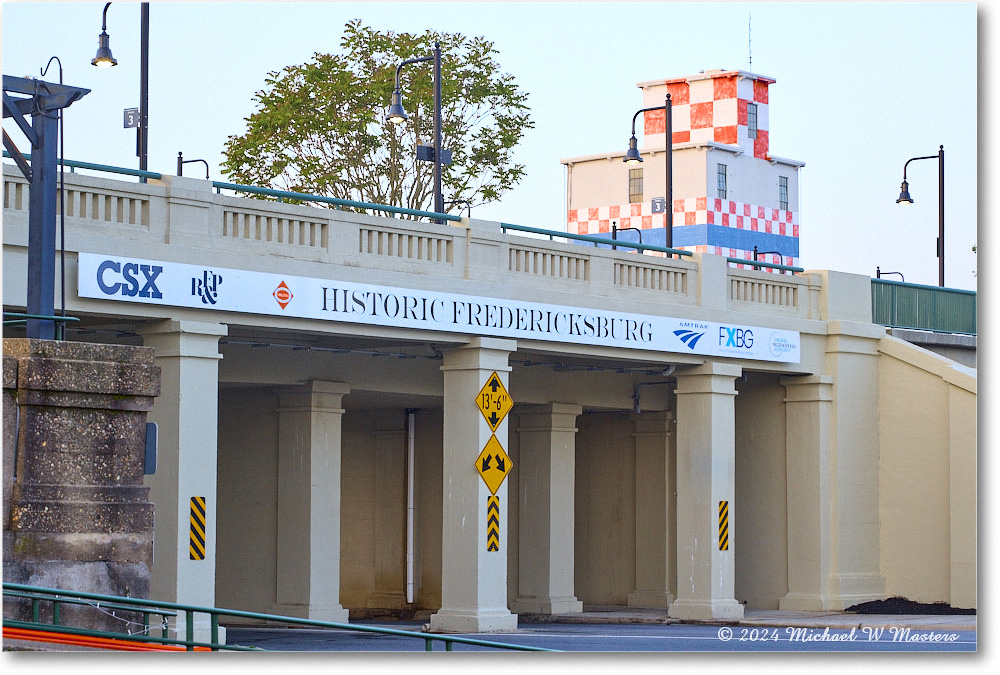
(768, 618)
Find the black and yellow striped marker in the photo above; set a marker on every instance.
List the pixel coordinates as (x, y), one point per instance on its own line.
(492, 523)
(723, 526)
(197, 528)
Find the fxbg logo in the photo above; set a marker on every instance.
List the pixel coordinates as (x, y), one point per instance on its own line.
(741, 338)
(129, 283)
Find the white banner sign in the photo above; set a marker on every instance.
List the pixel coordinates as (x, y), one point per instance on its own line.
(200, 287)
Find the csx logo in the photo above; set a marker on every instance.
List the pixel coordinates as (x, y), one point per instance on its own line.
(735, 337)
(114, 277)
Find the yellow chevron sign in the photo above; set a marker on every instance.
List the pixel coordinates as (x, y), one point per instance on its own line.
(197, 543)
(493, 464)
(492, 524)
(724, 526)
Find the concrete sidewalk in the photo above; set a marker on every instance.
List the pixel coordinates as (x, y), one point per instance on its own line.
(767, 617)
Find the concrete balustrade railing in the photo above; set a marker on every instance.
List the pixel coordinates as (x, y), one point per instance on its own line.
(186, 211)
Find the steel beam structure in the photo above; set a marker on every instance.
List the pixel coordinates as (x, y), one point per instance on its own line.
(42, 102)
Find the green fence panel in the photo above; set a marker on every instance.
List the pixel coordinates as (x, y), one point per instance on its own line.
(931, 308)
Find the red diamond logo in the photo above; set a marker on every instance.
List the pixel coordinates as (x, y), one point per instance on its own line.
(282, 295)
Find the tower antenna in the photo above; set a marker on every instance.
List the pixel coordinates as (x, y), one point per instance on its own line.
(749, 51)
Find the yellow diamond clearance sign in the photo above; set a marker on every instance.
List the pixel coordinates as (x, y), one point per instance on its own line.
(493, 401)
(493, 464)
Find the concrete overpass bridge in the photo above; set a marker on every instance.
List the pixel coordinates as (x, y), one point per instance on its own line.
(677, 432)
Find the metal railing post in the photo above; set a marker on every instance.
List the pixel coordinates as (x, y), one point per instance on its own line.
(38, 594)
(189, 628)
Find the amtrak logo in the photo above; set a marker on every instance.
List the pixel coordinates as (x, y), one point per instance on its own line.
(689, 337)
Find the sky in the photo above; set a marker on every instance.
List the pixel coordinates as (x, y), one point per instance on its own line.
(860, 89)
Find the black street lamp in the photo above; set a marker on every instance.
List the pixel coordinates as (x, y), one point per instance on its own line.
(397, 115)
(104, 59)
(904, 198)
(633, 157)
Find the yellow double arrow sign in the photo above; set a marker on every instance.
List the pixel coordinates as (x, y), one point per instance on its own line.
(493, 463)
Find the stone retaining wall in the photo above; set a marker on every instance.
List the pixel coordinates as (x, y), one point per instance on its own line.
(75, 512)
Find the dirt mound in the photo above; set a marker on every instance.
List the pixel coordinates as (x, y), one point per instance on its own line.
(900, 605)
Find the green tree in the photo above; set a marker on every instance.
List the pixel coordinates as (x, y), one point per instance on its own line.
(321, 127)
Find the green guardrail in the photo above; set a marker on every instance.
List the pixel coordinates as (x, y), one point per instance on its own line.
(551, 234)
(75, 164)
(335, 201)
(17, 318)
(932, 308)
(268, 192)
(57, 603)
(148, 608)
(756, 264)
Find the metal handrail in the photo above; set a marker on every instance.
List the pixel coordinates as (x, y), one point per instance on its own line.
(22, 318)
(302, 196)
(269, 192)
(758, 264)
(592, 239)
(41, 594)
(893, 282)
(74, 164)
(639, 246)
(134, 637)
(36, 600)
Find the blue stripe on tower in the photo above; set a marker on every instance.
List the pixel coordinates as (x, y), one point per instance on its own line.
(712, 235)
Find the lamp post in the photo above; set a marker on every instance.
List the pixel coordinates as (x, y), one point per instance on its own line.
(904, 198)
(104, 59)
(633, 157)
(397, 115)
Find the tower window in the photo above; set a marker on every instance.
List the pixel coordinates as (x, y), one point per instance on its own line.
(752, 120)
(635, 186)
(721, 180)
(783, 193)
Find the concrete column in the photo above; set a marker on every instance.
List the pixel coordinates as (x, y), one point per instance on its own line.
(546, 516)
(962, 417)
(852, 361)
(706, 476)
(309, 455)
(808, 471)
(187, 414)
(655, 510)
(390, 512)
(473, 580)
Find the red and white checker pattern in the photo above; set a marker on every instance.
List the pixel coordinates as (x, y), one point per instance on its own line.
(688, 211)
(742, 216)
(693, 211)
(597, 220)
(711, 107)
(746, 255)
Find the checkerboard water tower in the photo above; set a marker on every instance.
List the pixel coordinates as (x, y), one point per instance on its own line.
(730, 194)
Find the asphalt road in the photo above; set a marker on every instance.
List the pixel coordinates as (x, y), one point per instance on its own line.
(621, 638)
